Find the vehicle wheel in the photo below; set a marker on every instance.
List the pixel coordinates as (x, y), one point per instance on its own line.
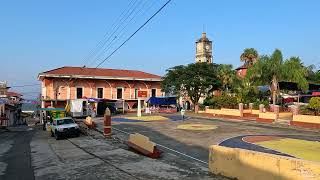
(77, 134)
(56, 136)
(52, 135)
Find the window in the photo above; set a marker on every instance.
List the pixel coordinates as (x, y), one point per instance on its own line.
(79, 93)
(136, 93)
(119, 93)
(153, 92)
(100, 93)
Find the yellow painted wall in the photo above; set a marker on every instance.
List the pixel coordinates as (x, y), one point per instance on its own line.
(212, 111)
(255, 112)
(267, 115)
(224, 111)
(285, 115)
(251, 165)
(307, 118)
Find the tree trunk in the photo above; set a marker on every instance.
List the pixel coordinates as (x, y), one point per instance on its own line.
(274, 98)
(274, 89)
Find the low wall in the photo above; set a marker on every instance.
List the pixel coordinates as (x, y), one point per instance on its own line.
(306, 121)
(252, 165)
(267, 115)
(285, 115)
(255, 112)
(224, 111)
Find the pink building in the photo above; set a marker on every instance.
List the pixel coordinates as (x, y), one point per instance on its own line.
(67, 83)
(242, 71)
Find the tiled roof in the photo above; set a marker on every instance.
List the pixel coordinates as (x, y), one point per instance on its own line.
(13, 94)
(101, 72)
(244, 66)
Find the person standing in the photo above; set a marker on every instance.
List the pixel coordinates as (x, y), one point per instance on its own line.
(182, 113)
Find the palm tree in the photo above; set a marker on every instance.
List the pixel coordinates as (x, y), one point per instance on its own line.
(249, 56)
(272, 69)
(226, 75)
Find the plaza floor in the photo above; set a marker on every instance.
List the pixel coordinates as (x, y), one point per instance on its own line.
(192, 136)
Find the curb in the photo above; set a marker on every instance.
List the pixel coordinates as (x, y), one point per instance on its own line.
(254, 123)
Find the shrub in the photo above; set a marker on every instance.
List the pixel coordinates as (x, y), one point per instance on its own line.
(257, 102)
(314, 105)
(223, 101)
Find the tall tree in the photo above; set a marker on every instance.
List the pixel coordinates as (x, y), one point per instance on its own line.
(249, 56)
(269, 70)
(192, 81)
(226, 76)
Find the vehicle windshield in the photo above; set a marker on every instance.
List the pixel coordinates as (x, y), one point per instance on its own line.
(64, 121)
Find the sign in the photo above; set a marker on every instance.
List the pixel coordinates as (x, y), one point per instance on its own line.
(142, 94)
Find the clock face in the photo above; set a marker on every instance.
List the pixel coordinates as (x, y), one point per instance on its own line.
(207, 47)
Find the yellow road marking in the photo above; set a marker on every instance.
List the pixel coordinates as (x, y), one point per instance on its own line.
(200, 127)
(148, 118)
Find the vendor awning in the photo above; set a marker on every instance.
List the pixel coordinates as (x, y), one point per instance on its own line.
(162, 101)
(52, 109)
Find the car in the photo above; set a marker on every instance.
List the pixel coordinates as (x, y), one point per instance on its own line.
(62, 127)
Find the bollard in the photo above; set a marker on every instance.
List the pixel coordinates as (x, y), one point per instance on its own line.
(261, 107)
(241, 109)
(295, 110)
(107, 123)
(206, 109)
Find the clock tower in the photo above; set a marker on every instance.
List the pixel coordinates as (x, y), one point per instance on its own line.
(204, 49)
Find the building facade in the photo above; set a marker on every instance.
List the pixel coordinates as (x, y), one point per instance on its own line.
(10, 106)
(242, 71)
(203, 49)
(67, 83)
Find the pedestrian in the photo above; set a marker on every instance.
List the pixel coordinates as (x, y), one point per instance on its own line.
(182, 113)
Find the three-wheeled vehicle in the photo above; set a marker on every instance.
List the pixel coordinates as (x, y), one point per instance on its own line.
(47, 115)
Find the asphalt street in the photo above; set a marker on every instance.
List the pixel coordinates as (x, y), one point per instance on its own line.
(15, 155)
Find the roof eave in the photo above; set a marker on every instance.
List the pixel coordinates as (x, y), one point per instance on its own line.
(97, 77)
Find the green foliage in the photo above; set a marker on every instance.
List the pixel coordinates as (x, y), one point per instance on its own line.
(313, 75)
(256, 103)
(314, 104)
(249, 56)
(193, 81)
(305, 110)
(223, 101)
(227, 76)
(269, 70)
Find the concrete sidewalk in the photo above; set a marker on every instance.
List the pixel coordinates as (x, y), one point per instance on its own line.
(94, 157)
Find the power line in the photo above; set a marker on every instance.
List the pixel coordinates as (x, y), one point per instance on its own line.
(105, 36)
(134, 33)
(126, 14)
(26, 85)
(121, 32)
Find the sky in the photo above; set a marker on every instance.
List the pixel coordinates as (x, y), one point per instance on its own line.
(39, 35)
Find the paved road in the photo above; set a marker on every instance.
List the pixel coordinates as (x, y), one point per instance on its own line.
(196, 143)
(15, 155)
(35, 155)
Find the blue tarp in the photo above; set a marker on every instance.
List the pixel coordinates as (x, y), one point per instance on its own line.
(162, 101)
